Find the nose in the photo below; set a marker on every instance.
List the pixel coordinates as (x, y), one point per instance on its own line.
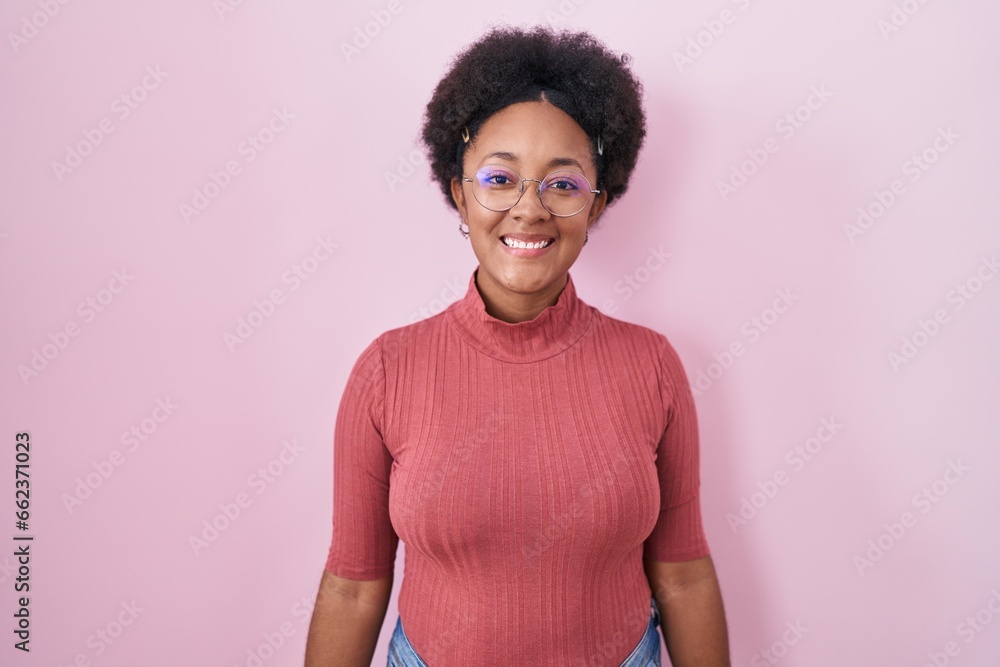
(529, 206)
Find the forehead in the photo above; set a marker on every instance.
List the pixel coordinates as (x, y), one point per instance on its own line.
(529, 134)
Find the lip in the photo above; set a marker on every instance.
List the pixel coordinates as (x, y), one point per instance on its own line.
(527, 238)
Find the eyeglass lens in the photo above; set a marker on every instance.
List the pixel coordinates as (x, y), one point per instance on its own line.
(563, 192)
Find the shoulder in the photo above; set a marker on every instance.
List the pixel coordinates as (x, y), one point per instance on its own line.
(636, 336)
(414, 337)
(647, 345)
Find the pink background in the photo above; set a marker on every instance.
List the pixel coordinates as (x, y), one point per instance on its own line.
(160, 331)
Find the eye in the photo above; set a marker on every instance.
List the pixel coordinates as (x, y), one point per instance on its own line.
(564, 183)
(497, 178)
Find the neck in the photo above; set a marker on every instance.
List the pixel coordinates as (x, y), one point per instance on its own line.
(514, 307)
(550, 332)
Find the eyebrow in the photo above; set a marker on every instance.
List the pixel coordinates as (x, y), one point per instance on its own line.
(554, 162)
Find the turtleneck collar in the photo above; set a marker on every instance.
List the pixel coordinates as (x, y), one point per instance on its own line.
(552, 331)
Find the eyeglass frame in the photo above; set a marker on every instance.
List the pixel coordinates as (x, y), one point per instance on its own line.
(538, 190)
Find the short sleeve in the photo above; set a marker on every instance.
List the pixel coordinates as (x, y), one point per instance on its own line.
(678, 534)
(364, 542)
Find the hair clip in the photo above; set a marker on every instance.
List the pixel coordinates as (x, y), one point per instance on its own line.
(600, 145)
(465, 134)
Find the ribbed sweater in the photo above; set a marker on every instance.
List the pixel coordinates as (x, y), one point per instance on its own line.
(528, 468)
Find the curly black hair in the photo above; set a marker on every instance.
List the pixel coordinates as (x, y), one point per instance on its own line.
(576, 73)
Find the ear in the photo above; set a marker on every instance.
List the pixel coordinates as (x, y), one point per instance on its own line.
(458, 196)
(597, 208)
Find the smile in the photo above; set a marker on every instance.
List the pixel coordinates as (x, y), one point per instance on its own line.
(511, 243)
(526, 249)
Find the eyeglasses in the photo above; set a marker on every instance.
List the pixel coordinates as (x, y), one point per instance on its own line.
(562, 193)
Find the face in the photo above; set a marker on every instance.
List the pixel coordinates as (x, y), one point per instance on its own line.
(534, 139)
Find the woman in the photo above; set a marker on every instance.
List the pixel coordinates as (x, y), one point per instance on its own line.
(538, 458)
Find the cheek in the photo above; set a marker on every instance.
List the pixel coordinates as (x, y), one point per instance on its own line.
(485, 222)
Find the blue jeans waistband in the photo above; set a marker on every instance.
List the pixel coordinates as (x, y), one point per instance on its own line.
(645, 654)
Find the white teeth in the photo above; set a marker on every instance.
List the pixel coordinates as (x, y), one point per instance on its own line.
(522, 244)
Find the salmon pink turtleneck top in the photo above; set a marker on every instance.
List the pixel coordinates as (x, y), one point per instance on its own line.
(528, 468)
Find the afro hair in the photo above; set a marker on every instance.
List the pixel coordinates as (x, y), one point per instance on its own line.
(573, 70)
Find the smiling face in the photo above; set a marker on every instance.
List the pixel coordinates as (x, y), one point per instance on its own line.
(533, 139)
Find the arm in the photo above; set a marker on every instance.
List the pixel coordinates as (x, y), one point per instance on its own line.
(676, 555)
(692, 617)
(346, 621)
(357, 580)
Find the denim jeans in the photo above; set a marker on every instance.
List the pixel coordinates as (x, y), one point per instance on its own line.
(645, 654)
